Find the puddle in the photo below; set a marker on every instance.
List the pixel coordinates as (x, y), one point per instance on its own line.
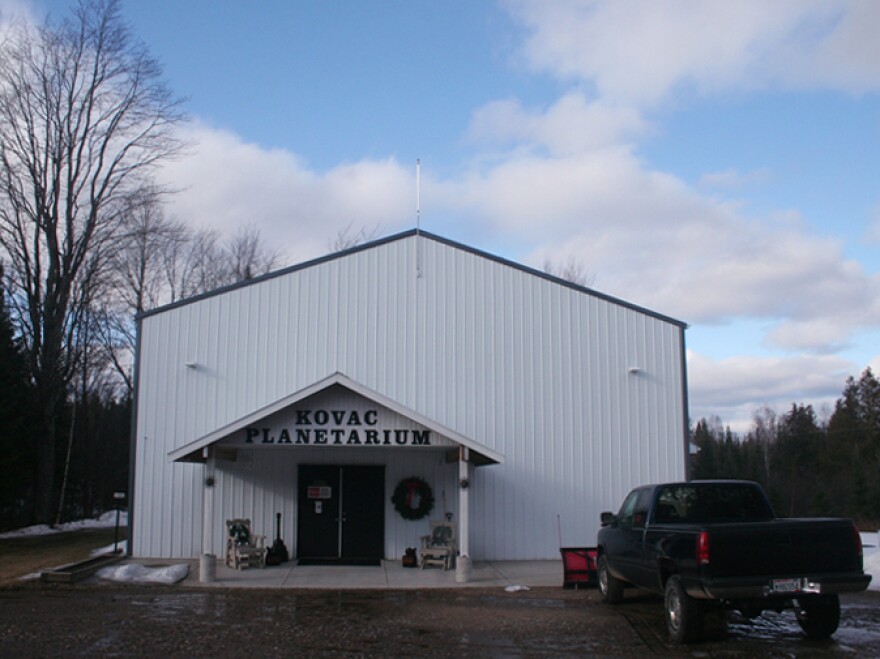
(155, 621)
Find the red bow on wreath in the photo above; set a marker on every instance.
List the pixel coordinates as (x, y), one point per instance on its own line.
(413, 498)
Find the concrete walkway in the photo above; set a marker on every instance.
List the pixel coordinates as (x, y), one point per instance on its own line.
(388, 575)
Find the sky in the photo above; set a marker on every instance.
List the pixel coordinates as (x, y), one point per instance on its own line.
(712, 161)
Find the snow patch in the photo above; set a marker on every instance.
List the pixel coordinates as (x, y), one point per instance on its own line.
(137, 573)
(120, 547)
(515, 588)
(871, 553)
(107, 520)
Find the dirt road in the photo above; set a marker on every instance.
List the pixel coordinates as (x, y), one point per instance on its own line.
(113, 620)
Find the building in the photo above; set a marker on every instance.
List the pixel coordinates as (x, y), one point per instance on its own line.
(523, 404)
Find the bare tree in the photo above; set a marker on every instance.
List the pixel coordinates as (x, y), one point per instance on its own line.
(84, 118)
(148, 243)
(572, 269)
(347, 237)
(766, 432)
(160, 260)
(207, 262)
(247, 256)
(201, 266)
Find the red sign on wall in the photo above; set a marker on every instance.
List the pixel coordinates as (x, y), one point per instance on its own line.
(319, 492)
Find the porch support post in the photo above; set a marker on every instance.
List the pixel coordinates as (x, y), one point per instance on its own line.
(465, 470)
(207, 561)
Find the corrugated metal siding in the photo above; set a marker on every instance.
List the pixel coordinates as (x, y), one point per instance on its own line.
(524, 365)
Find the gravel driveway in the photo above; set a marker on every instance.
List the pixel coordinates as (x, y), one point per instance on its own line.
(123, 620)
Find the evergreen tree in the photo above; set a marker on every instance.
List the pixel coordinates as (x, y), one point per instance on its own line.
(854, 445)
(705, 462)
(869, 407)
(807, 468)
(795, 458)
(16, 422)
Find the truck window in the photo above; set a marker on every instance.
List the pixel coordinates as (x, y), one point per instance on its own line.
(634, 511)
(701, 502)
(640, 513)
(666, 510)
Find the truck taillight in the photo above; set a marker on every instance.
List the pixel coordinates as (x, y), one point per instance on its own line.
(703, 548)
(858, 539)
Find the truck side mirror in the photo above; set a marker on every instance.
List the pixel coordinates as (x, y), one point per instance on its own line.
(607, 518)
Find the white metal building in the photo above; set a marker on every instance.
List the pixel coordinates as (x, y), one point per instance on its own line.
(516, 396)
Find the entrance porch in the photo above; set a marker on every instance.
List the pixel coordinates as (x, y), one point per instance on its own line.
(327, 459)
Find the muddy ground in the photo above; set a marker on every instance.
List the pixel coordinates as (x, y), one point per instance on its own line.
(103, 619)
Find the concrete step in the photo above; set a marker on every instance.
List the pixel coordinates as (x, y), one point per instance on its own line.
(77, 571)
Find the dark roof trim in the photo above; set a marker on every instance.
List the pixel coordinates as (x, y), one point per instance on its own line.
(425, 234)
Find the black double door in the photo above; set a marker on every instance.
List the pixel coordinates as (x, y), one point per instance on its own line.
(341, 512)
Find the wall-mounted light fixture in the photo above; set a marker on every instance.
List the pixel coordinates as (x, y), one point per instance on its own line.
(191, 364)
(634, 370)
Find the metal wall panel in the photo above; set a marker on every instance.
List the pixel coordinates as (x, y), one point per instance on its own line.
(534, 369)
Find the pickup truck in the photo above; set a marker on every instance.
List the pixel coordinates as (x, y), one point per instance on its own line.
(712, 546)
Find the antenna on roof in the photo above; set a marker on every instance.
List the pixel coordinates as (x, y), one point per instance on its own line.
(418, 217)
(418, 194)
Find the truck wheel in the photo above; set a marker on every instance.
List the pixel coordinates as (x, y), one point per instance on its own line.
(818, 616)
(684, 614)
(610, 587)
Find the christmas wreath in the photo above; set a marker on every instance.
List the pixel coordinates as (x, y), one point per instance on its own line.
(413, 498)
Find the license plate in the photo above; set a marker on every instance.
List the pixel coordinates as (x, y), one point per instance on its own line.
(786, 585)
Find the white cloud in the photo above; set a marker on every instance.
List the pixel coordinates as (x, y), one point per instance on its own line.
(571, 125)
(647, 235)
(12, 11)
(846, 57)
(650, 238)
(735, 388)
(642, 52)
(227, 183)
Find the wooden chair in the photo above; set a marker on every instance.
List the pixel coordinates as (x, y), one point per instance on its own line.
(243, 548)
(439, 547)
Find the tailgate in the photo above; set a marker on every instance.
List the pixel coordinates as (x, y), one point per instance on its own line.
(782, 547)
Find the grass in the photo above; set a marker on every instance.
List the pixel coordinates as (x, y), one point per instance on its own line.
(29, 554)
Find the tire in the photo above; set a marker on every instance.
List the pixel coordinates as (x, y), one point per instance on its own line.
(610, 587)
(684, 614)
(818, 616)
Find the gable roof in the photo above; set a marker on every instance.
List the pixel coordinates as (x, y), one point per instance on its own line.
(401, 236)
(192, 452)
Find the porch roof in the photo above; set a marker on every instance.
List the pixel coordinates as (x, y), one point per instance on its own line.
(193, 451)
